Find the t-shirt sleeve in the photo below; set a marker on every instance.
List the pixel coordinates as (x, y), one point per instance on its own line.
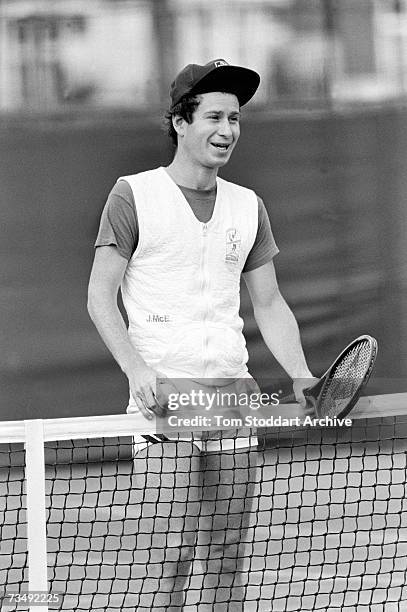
(264, 247)
(119, 224)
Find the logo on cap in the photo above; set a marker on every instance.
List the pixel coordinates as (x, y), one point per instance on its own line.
(220, 63)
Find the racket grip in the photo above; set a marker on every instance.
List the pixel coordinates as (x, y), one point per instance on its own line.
(288, 399)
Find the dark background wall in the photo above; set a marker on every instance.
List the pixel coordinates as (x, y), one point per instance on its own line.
(335, 187)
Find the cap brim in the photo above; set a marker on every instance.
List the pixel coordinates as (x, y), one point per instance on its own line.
(242, 82)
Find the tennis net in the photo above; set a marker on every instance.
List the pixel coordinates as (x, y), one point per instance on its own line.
(310, 519)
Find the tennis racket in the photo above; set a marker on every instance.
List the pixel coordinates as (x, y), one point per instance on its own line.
(338, 390)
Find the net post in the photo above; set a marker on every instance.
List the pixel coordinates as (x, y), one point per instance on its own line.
(36, 510)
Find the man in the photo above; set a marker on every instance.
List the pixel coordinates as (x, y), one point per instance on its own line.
(176, 240)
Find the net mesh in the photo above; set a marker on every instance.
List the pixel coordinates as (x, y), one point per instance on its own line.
(310, 520)
(13, 527)
(346, 378)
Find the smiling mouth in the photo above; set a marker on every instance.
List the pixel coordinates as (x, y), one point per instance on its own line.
(221, 147)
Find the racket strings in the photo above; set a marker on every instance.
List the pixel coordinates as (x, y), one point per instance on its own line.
(346, 378)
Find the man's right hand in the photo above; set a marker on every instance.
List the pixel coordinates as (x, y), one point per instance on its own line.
(143, 382)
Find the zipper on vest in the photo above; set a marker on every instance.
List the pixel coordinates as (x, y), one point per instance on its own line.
(204, 296)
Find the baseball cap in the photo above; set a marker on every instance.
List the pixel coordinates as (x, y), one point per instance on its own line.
(217, 75)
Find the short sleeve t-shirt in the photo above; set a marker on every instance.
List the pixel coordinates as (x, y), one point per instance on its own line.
(119, 224)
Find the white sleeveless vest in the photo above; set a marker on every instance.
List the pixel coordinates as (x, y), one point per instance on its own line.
(181, 289)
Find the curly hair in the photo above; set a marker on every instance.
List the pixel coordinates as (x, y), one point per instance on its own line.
(185, 109)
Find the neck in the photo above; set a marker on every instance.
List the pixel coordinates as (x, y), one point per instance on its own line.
(185, 172)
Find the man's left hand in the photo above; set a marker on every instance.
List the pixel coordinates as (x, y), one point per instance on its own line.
(299, 385)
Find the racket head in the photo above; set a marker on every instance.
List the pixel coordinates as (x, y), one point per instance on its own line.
(345, 379)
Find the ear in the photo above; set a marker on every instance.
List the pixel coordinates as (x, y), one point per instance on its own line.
(179, 124)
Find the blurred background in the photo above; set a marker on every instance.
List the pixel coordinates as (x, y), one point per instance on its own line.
(83, 88)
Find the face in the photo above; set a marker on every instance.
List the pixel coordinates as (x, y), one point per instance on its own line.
(211, 137)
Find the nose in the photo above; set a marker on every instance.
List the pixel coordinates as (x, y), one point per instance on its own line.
(225, 128)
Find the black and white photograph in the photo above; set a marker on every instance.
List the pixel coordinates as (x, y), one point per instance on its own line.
(203, 305)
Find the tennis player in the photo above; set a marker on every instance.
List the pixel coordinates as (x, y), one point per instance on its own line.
(177, 240)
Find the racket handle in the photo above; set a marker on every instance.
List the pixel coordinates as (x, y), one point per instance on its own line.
(288, 399)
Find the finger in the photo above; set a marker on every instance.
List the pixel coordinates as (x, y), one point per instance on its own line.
(143, 406)
(310, 407)
(159, 409)
(148, 398)
(300, 398)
